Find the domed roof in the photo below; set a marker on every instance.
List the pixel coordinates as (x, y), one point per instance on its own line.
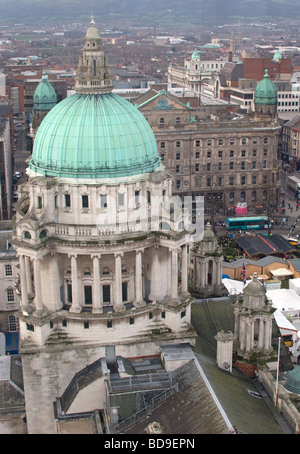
(292, 383)
(254, 288)
(277, 56)
(195, 54)
(92, 31)
(44, 97)
(94, 136)
(266, 91)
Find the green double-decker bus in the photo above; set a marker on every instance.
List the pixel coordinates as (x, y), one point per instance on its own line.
(248, 223)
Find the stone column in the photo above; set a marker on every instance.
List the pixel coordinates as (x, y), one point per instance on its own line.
(155, 274)
(248, 336)
(23, 282)
(174, 292)
(39, 309)
(174, 278)
(261, 334)
(75, 308)
(242, 334)
(118, 303)
(97, 294)
(28, 275)
(184, 272)
(139, 302)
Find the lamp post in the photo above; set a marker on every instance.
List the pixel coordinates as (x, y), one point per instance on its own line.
(277, 375)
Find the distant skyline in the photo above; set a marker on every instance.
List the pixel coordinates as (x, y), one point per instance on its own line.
(183, 13)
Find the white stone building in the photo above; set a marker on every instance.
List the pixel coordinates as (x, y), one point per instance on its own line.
(103, 264)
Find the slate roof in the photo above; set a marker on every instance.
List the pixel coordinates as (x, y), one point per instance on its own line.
(257, 244)
(264, 261)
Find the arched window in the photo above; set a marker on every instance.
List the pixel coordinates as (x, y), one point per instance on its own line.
(27, 235)
(43, 234)
(178, 120)
(162, 121)
(8, 270)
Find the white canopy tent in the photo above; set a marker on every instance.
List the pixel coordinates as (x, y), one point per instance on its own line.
(286, 300)
(286, 328)
(234, 287)
(294, 284)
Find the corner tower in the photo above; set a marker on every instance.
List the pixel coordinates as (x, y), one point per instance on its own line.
(94, 236)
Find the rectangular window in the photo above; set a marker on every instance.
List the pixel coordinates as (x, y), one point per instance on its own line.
(39, 202)
(254, 179)
(208, 167)
(231, 165)
(243, 181)
(197, 155)
(10, 295)
(220, 153)
(243, 165)
(177, 156)
(103, 201)
(131, 321)
(197, 143)
(67, 200)
(109, 324)
(197, 167)
(29, 327)
(162, 145)
(64, 323)
(148, 197)
(124, 291)
(121, 200)
(231, 153)
(106, 293)
(253, 164)
(88, 294)
(177, 169)
(231, 181)
(69, 293)
(178, 143)
(137, 196)
(86, 325)
(85, 201)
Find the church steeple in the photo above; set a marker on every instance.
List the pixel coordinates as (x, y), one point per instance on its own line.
(93, 73)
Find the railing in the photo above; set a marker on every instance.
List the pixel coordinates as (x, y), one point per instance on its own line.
(147, 410)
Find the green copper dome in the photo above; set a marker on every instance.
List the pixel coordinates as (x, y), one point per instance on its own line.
(195, 55)
(293, 380)
(44, 97)
(266, 91)
(277, 56)
(94, 136)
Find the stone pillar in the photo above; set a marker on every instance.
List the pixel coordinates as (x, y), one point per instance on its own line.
(139, 302)
(242, 334)
(118, 303)
(23, 282)
(155, 274)
(224, 350)
(174, 291)
(184, 272)
(39, 309)
(75, 308)
(261, 334)
(248, 336)
(97, 294)
(28, 275)
(174, 278)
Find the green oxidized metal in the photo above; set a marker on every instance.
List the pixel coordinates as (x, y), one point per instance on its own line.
(266, 91)
(44, 98)
(94, 136)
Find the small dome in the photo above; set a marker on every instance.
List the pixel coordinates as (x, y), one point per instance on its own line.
(208, 234)
(44, 97)
(266, 91)
(254, 288)
(277, 56)
(92, 31)
(195, 55)
(292, 383)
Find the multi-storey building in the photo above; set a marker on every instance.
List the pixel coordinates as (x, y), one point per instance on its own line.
(93, 244)
(227, 158)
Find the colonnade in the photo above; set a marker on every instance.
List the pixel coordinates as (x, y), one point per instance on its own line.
(245, 332)
(205, 266)
(158, 276)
